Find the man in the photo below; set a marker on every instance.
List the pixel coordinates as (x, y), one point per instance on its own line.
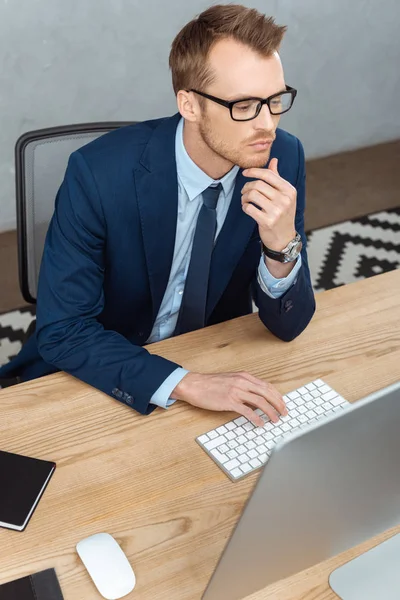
(158, 227)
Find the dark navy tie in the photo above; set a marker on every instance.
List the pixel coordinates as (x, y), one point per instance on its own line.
(193, 309)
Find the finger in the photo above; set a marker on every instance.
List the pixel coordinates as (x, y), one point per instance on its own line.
(273, 165)
(257, 198)
(249, 414)
(264, 188)
(260, 402)
(271, 395)
(270, 177)
(264, 218)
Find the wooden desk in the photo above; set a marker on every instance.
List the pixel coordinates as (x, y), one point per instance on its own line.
(146, 481)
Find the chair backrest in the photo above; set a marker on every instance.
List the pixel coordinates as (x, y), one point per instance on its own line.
(41, 159)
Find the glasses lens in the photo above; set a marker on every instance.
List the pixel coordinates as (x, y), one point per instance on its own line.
(280, 103)
(241, 111)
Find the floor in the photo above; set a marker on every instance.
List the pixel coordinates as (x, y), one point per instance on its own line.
(339, 187)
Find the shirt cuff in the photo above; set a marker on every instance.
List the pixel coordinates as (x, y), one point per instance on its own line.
(275, 288)
(161, 396)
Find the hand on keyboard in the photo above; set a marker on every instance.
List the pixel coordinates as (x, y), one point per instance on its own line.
(232, 392)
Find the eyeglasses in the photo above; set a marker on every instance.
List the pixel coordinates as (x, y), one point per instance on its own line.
(249, 108)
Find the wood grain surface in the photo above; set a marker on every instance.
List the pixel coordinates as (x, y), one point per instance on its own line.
(146, 481)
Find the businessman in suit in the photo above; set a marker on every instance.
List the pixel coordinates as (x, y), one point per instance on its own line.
(175, 224)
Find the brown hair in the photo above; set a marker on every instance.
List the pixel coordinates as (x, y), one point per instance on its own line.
(191, 47)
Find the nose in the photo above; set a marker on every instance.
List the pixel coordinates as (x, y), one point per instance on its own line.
(264, 119)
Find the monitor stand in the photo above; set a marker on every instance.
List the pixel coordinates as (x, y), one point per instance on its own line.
(375, 574)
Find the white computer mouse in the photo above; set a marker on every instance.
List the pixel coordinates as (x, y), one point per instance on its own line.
(107, 565)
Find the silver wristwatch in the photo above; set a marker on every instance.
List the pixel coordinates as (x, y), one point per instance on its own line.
(288, 254)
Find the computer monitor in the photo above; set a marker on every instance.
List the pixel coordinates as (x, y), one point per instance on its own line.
(323, 491)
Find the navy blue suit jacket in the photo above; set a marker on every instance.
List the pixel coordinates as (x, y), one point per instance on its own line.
(107, 259)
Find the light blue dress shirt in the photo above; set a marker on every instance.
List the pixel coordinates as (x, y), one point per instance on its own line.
(192, 182)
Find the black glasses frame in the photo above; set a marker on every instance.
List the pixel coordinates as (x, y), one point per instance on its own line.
(230, 104)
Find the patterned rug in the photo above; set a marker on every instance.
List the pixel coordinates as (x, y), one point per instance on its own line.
(338, 254)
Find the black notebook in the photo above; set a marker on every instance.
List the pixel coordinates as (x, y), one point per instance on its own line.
(22, 483)
(40, 586)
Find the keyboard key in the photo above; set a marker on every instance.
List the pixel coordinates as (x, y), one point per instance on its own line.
(230, 435)
(221, 429)
(284, 419)
(262, 448)
(290, 405)
(250, 435)
(220, 457)
(308, 397)
(250, 445)
(285, 427)
(240, 421)
(255, 463)
(302, 391)
(246, 467)
(252, 453)
(241, 439)
(236, 473)
(230, 425)
(316, 394)
(295, 422)
(336, 401)
(215, 442)
(263, 458)
(239, 431)
(243, 458)
(324, 389)
(232, 444)
(319, 382)
(259, 440)
(232, 464)
(224, 448)
(232, 454)
(212, 434)
(329, 396)
(310, 386)
(268, 436)
(241, 449)
(248, 426)
(203, 438)
(259, 430)
(293, 395)
(312, 414)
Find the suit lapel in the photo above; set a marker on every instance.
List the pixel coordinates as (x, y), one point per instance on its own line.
(232, 240)
(157, 198)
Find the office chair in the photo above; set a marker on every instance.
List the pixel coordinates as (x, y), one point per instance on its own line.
(41, 159)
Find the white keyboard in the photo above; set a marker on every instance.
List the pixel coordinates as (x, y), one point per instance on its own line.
(239, 447)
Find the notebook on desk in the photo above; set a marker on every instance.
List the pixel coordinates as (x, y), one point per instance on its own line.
(39, 586)
(22, 483)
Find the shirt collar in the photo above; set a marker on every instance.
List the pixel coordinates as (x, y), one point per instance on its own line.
(193, 179)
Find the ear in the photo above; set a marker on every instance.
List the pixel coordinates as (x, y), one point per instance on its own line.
(187, 105)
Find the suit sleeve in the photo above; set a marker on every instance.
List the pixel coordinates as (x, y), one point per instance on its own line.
(287, 316)
(71, 297)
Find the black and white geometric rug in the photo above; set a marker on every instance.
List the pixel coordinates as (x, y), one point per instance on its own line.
(354, 250)
(337, 255)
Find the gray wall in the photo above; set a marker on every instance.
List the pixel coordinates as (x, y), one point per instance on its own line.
(69, 62)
